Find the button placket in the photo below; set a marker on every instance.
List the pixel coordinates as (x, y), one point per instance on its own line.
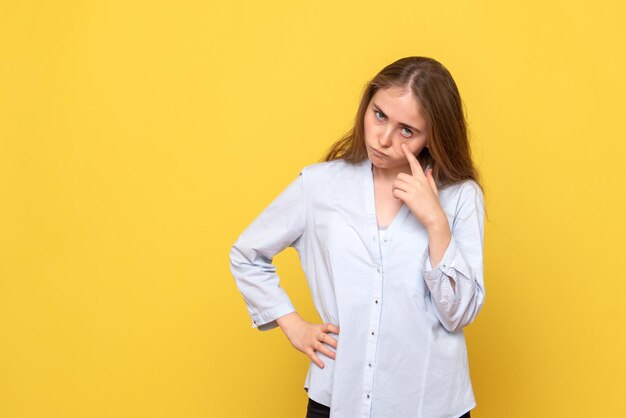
(374, 324)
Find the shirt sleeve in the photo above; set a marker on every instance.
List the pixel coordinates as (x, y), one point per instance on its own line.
(462, 262)
(279, 226)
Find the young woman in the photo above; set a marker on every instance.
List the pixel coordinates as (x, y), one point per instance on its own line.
(389, 231)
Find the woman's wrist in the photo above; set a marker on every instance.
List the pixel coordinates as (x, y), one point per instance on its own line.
(439, 224)
(286, 321)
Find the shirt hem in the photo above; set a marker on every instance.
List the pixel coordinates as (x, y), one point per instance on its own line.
(317, 397)
(464, 411)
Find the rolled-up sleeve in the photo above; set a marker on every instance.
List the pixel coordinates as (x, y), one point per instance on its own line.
(280, 225)
(462, 262)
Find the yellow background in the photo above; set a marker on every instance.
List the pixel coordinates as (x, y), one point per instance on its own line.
(138, 139)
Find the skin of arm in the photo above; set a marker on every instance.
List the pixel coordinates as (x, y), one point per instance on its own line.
(287, 321)
(439, 237)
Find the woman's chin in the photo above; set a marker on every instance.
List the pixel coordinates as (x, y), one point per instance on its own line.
(385, 164)
(377, 161)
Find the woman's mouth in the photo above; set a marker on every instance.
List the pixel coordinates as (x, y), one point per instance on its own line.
(378, 153)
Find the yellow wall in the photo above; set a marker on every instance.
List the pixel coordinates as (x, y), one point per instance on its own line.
(139, 138)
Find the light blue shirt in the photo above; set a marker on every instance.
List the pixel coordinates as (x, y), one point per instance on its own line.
(401, 350)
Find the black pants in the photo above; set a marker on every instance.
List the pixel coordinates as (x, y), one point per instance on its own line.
(317, 410)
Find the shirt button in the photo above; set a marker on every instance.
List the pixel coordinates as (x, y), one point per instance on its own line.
(368, 396)
(370, 364)
(376, 301)
(378, 270)
(372, 332)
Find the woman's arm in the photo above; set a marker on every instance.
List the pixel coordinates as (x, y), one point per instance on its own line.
(439, 237)
(280, 225)
(456, 281)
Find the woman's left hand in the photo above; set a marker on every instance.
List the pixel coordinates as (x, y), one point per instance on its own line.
(419, 192)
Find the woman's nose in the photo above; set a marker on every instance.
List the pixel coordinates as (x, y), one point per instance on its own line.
(385, 137)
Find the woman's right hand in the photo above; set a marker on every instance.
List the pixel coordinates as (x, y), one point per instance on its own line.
(308, 337)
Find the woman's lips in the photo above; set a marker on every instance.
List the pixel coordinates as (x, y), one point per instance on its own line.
(376, 152)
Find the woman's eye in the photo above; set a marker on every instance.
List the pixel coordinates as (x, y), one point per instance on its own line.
(406, 132)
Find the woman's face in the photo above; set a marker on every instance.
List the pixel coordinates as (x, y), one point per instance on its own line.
(393, 117)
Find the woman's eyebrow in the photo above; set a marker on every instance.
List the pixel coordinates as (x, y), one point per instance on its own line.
(401, 123)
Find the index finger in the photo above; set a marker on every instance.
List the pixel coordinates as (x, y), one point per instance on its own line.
(415, 165)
